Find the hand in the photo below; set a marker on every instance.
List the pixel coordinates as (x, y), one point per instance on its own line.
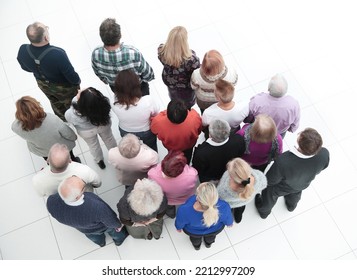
(150, 221)
(119, 228)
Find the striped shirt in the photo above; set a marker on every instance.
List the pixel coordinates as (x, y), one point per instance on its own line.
(106, 64)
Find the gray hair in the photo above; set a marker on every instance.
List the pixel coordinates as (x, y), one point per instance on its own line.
(219, 130)
(278, 86)
(71, 188)
(129, 146)
(146, 197)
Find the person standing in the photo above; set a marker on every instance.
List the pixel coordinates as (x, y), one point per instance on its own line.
(293, 171)
(60, 166)
(179, 62)
(51, 67)
(90, 115)
(115, 56)
(85, 211)
(203, 216)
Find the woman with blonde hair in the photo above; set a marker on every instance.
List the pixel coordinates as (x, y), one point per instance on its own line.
(239, 185)
(179, 62)
(41, 130)
(203, 80)
(262, 142)
(203, 216)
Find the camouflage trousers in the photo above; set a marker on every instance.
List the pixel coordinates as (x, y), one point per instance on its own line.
(60, 96)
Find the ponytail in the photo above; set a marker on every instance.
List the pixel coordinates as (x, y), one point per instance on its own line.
(207, 196)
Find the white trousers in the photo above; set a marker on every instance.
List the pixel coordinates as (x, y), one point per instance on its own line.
(92, 140)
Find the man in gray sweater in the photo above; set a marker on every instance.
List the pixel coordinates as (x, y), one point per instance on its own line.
(292, 172)
(85, 211)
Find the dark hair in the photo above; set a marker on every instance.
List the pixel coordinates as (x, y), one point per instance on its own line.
(93, 105)
(310, 141)
(29, 112)
(127, 88)
(177, 111)
(109, 32)
(173, 163)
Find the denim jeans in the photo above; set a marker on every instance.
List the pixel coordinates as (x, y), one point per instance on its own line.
(147, 137)
(99, 237)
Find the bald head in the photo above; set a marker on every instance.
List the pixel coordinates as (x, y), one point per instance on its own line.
(58, 158)
(37, 33)
(71, 189)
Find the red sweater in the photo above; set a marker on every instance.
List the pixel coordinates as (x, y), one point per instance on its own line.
(174, 136)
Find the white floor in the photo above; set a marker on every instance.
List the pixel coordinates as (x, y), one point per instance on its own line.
(313, 45)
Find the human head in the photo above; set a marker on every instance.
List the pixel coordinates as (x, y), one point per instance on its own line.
(309, 141)
(207, 196)
(278, 86)
(109, 32)
(127, 88)
(240, 174)
(29, 112)
(173, 163)
(212, 63)
(58, 158)
(37, 33)
(176, 48)
(71, 189)
(146, 197)
(129, 146)
(219, 130)
(263, 129)
(177, 111)
(93, 105)
(224, 91)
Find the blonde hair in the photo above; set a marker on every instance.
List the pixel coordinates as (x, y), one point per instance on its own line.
(207, 196)
(176, 48)
(240, 173)
(263, 129)
(212, 63)
(224, 91)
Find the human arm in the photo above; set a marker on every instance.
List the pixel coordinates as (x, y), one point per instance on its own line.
(295, 124)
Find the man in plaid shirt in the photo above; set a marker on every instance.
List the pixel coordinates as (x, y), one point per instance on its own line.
(114, 56)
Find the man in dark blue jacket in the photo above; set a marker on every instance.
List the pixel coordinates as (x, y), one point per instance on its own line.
(85, 211)
(51, 67)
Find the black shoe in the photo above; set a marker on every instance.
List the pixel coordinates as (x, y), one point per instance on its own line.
(290, 208)
(208, 245)
(102, 245)
(237, 216)
(149, 237)
(118, 243)
(77, 159)
(101, 164)
(258, 200)
(197, 247)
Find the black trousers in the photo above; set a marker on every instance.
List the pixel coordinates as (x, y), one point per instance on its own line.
(209, 238)
(270, 196)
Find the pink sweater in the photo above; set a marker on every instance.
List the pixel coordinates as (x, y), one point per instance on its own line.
(177, 189)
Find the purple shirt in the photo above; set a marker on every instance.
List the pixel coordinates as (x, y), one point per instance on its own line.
(285, 110)
(259, 152)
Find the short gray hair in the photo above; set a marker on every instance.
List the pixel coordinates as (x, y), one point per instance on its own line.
(278, 86)
(219, 130)
(58, 157)
(129, 146)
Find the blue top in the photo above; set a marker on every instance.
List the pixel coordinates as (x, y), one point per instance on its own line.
(190, 220)
(55, 65)
(93, 215)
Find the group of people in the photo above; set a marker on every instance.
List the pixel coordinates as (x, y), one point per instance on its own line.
(204, 187)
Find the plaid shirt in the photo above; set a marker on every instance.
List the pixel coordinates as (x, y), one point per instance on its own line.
(106, 64)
